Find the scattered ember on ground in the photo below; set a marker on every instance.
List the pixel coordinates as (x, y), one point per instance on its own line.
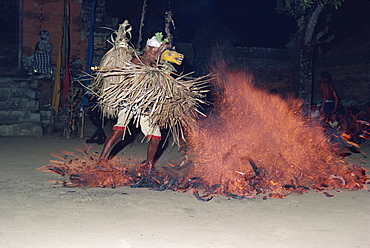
(253, 144)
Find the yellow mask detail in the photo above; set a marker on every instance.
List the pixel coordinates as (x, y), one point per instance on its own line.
(172, 56)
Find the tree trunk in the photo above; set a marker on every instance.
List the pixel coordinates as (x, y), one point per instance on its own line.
(294, 67)
(303, 46)
(305, 75)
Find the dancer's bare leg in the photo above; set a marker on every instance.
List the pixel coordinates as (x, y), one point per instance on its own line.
(112, 138)
(152, 149)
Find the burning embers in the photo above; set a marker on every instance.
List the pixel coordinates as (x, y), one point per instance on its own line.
(253, 144)
(256, 143)
(85, 171)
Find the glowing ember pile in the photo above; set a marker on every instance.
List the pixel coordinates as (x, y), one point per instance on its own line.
(257, 143)
(84, 170)
(252, 144)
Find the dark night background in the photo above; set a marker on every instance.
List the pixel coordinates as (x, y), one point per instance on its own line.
(240, 23)
(252, 23)
(204, 23)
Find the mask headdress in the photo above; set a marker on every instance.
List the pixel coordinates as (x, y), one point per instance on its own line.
(156, 40)
(152, 90)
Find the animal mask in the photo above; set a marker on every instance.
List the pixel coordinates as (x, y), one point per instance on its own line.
(172, 56)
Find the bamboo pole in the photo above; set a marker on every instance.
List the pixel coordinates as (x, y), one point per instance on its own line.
(82, 124)
(143, 11)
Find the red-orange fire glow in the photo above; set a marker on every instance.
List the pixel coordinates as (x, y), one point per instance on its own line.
(84, 170)
(255, 142)
(252, 144)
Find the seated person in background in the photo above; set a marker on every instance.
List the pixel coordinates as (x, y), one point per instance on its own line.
(315, 113)
(366, 115)
(343, 121)
(354, 129)
(333, 121)
(364, 121)
(338, 122)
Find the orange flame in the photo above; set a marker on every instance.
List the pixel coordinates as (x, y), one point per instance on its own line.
(252, 131)
(253, 143)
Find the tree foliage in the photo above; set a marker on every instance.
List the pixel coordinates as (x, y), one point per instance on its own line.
(306, 13)
(298, 8)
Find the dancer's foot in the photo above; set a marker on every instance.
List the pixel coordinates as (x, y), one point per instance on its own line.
(149, 164)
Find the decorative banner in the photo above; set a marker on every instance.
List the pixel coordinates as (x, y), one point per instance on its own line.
(66, 48)
(62, 62)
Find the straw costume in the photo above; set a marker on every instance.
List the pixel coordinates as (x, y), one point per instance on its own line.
(132, 90)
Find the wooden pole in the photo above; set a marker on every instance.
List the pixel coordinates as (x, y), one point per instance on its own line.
(143, 11)
(82, 124)
(51, 124)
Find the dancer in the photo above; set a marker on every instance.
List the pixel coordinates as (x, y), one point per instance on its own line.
(151, 55)
(145, 88)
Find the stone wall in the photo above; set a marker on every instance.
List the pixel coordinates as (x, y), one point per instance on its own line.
(48, 15)
(352, 83)
(351, 77)
(51, 14)
(271, 69)
(19, 107)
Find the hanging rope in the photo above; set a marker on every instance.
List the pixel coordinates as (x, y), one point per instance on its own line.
(41, 17)
(169, 21)
(143, 11)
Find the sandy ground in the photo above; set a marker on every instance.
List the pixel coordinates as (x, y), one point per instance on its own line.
(35, 213)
